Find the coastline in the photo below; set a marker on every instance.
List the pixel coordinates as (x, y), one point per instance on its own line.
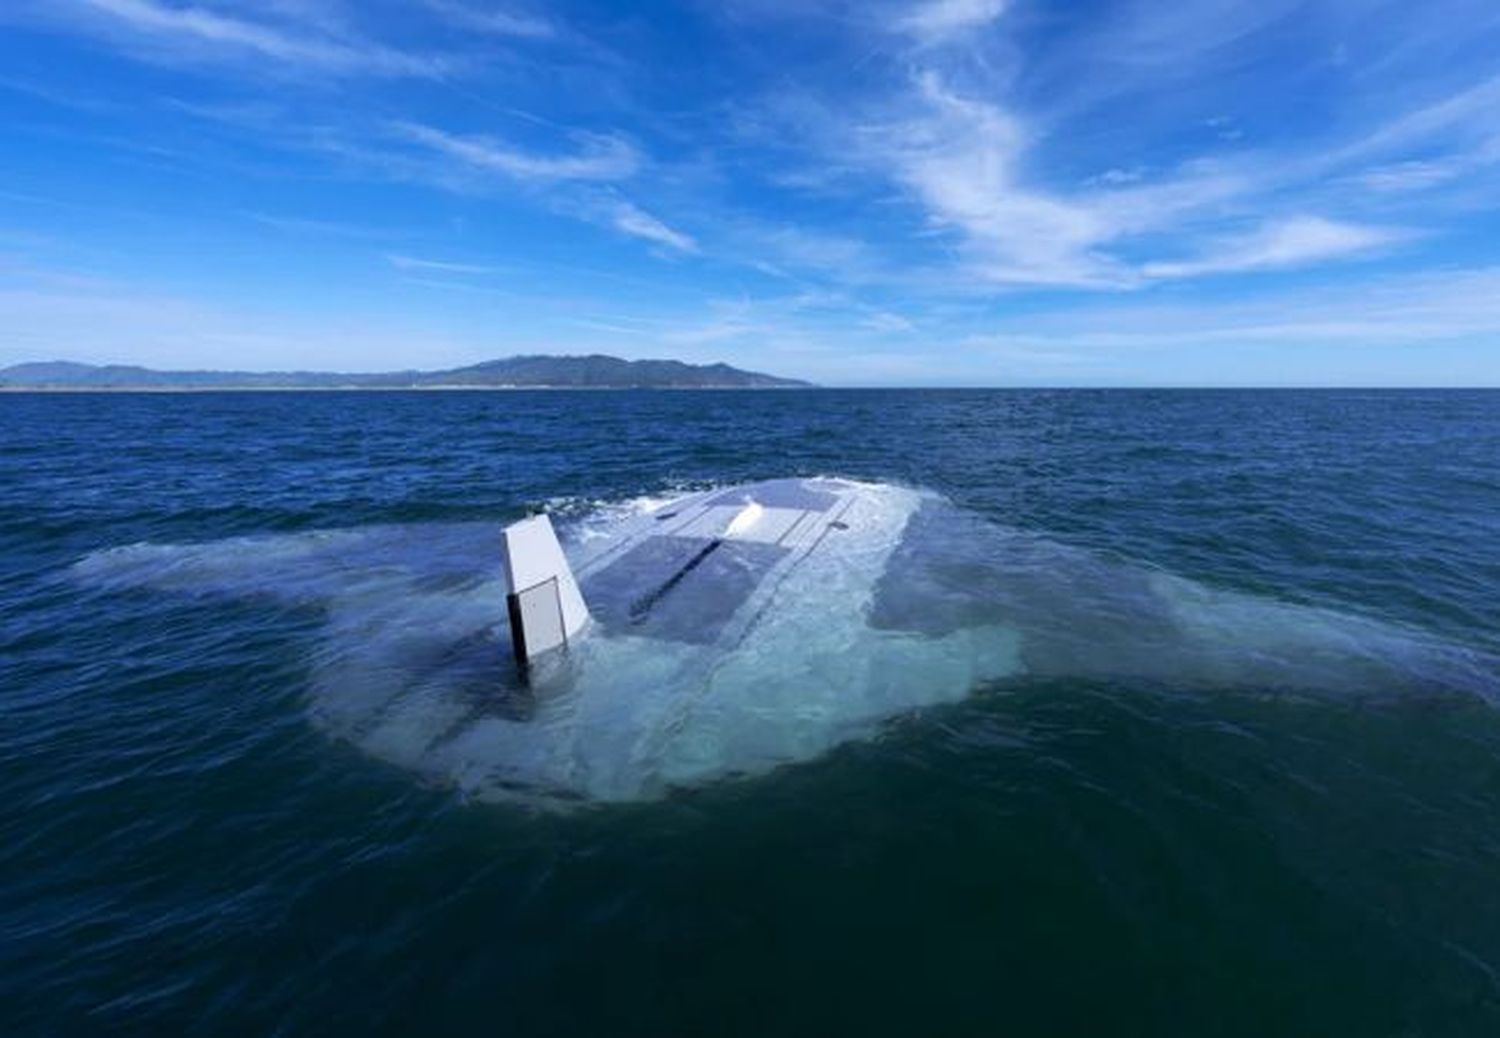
(466, 388)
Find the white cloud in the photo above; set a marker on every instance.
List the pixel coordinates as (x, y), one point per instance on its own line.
(1292, 242)
(1413, 175)
(959, 157)
(1152, 36)
(326, 228)
(204, 31)
(885, 321)
(788, 250)
(1424, 174)
(1473, 112)
(1115, 177)
(986, 154)
(492, 21)
(933, 20)
(401, 262)
(728, 319)
(962, 160)
(600, 157)
(638, 223)
(965, 162)
(1412, 310)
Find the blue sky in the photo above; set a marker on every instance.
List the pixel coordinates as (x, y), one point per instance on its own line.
(960, 192)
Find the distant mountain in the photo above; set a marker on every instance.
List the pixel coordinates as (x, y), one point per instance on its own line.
(594, 372)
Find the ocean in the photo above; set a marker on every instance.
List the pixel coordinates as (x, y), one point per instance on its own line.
(1244, 780)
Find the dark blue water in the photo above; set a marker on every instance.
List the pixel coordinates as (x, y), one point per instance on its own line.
(1092, 850)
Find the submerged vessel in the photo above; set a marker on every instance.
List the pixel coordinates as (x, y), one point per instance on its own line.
(643, 647)
(703, 571)
(725, 633)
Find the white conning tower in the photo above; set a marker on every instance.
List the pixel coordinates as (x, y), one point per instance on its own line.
(545, 606)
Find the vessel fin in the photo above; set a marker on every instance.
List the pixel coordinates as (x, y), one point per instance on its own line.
(546, 608)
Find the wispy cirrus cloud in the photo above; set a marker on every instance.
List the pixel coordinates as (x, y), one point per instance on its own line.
(471, 164)
(1428, 308)
(962, 160)
(1278, 245)
(494, 21)
(186, 33)
(636, 222)
(1436, 144)
(885, 321)
(301, 225)
(599, 156)
(1410, 175)
(959, 158)
(933, 21)
(1466, 116)
(417, 263)
(970, 153)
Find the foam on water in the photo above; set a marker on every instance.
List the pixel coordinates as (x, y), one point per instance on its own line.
(921, 604)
